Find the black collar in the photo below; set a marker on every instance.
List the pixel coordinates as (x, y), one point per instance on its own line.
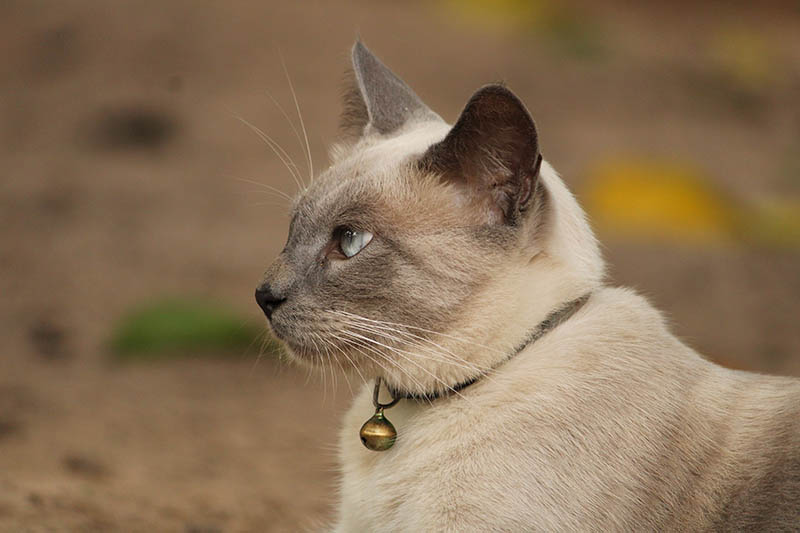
(551, 321)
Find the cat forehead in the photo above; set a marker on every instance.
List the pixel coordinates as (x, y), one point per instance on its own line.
(385, 153)
(373, 166)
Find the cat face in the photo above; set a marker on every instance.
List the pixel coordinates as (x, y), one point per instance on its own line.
(399, 238)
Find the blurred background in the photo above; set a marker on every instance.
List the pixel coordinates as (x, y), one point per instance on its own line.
(138, 390)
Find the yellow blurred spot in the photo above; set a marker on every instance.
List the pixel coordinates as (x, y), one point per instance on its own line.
(502, 14)
(650, 199)
(656, 199)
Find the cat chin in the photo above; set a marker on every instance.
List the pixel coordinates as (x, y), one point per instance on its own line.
(306, 355)
(312, 357)
(292, 347)
(302, 354)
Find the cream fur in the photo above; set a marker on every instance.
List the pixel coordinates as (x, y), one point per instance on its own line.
(608, 423)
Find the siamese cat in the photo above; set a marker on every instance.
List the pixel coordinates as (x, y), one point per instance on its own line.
(452, 272)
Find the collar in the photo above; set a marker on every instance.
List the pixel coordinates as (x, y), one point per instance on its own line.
(556, 317)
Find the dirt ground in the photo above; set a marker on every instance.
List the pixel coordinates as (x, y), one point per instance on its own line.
(123, 173)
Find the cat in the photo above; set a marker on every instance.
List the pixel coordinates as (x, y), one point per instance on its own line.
(450, 269)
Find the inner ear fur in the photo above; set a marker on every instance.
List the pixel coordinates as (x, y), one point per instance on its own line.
(492, 154)
(376, 100)
(354, 117)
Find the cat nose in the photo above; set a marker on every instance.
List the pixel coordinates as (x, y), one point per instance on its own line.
(268, 300)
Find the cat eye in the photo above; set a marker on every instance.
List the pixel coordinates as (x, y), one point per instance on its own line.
(353, 241)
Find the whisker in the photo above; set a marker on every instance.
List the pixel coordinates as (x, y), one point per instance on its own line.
(355, 346)
(291, 125)
(399, 352)
(491, 374)
(352, 363)
(272, 194)
(268, 187)
(269, 204)
(333, 370)
(328, 346)
(445, 356)
(383, 356)
(262, 338)
(428, 354)
(321, 363)
(299, 116)
(278, 150)
(432, 332)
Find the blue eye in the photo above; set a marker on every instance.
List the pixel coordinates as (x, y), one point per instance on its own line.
(352, 241)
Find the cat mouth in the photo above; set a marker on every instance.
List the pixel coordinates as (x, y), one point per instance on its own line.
(285, 332)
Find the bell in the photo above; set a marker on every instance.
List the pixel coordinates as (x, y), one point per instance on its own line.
(377, 433)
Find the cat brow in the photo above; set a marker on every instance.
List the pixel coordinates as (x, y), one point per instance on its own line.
(355, 215)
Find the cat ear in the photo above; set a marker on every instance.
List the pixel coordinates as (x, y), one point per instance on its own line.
(379, 102)
(492, 153)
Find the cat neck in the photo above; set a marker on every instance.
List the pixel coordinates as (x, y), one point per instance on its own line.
(551, 321)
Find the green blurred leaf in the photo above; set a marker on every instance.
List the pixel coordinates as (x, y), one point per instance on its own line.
(746, 56)
(573, 35)
(185, 327)
(568, 32)
(775, 224)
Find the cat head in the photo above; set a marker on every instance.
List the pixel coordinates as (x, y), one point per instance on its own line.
(426, 251)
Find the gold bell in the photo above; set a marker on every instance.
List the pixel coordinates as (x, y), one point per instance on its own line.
(377, 433)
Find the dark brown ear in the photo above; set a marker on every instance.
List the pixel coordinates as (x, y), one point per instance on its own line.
(492, 152)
